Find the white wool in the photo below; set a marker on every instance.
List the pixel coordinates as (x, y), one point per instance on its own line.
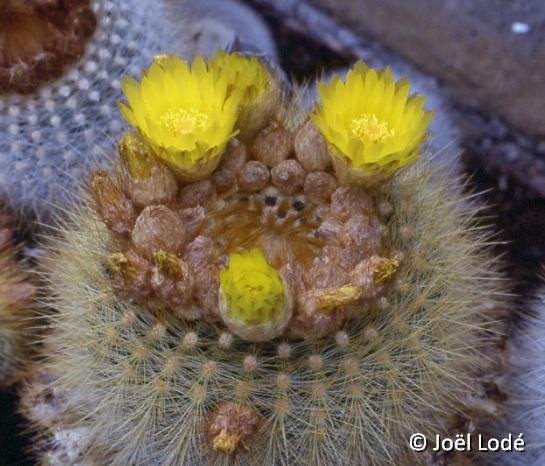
(525, 386)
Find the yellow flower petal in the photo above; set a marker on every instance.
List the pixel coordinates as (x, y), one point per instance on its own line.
(253, 290)
(183, 112)
(370, 120)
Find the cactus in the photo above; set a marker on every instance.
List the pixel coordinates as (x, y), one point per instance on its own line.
(275, 307)
(16, 297)
(523, 386)
(66, 122)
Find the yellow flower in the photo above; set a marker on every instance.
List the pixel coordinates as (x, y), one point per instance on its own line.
(186, 114)
(260, 90)
(372, 125)
(253, 289)
(244, 73)
(254, 301)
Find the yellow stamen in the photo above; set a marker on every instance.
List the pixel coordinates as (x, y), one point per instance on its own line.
(369, 128)
(183, 121)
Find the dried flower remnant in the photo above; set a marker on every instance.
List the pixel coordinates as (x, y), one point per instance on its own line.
(39, 39)
(371, 124)
(113, 205)
(230, 425)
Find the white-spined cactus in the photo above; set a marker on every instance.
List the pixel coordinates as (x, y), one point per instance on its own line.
(65, 123)
(524, 387)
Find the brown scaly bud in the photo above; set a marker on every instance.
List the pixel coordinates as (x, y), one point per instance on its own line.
(147, 181)
(159, 188)
(273, 144)
(229, 426)
(201, 193)
(362, 232)
(319, 186)
(288, 176)
(235, 156)
(224, 180)
(254, 176)
(193, 219)
(112, 204)
(158, 228)
(347, 202)
(311, 148)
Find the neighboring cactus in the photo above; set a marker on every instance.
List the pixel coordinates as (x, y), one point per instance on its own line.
(524, 386)
(16, 297)
(360, 313)
(66, 123)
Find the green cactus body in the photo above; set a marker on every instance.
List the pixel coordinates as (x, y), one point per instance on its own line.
(385, 339)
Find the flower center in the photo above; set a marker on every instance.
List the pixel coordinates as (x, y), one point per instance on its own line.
(183, 121)
(368, 128)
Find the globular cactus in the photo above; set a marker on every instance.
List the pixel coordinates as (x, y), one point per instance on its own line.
(524, 386)
(60, 70)
(16, 299)
(305, 293)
